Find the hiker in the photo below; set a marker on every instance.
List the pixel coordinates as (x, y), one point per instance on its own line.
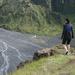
(67, 35)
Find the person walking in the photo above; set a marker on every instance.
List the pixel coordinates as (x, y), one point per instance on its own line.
(67, 35)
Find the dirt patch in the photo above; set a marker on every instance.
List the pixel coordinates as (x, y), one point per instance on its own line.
(60, 50)
(43, 53)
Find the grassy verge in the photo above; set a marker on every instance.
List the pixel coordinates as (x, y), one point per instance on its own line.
(58, 64)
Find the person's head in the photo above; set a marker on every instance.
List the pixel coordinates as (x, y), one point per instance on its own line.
(67, 20)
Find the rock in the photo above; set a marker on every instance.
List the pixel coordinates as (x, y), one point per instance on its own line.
(28, 61)
(43, 53)
(21, 64)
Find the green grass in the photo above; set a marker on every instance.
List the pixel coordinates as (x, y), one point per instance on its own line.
(55, 65)
(58, 64)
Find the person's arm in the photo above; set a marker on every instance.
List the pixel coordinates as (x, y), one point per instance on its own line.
(72, 32)
(63, 32)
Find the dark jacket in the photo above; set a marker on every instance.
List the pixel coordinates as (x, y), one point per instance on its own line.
(67, 31)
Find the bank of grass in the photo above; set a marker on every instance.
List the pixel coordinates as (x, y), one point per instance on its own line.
(58, 64)
(55, 65)
(46, 30)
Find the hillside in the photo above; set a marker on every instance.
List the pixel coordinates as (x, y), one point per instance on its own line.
(35, 16)
(31, 16)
